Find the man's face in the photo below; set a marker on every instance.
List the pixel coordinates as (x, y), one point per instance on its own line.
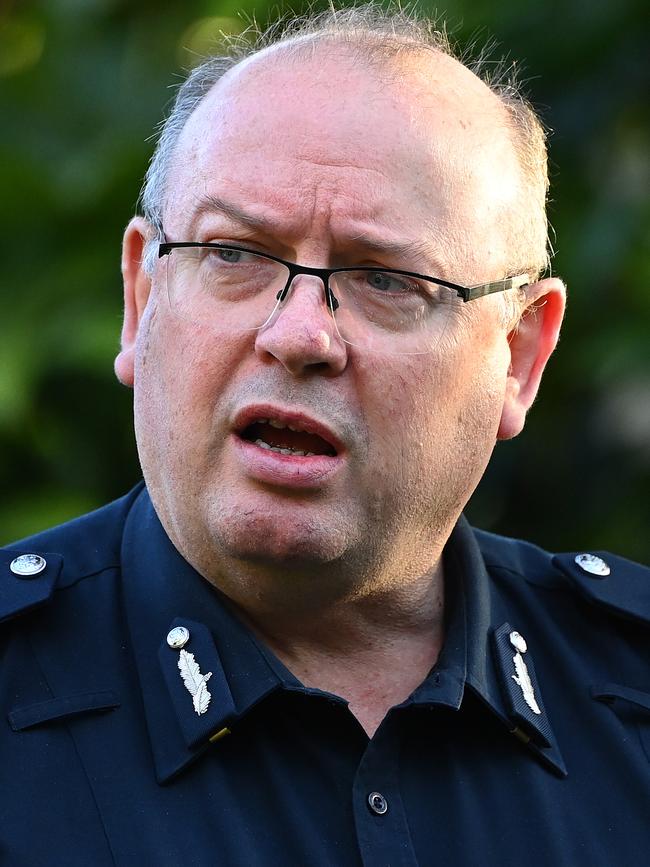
(324, 163)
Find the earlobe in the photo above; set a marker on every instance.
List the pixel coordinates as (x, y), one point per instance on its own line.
(531, 343)
(137, 286)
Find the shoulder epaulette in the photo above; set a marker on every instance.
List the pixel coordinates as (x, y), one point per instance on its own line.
(27, 580)
(612, 582)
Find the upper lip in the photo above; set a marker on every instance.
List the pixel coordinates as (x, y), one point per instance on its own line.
(290, 417)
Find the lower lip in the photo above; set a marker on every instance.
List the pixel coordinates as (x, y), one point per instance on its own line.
(287, 471)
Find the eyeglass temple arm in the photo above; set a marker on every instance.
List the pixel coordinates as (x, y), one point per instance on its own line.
(479, 291)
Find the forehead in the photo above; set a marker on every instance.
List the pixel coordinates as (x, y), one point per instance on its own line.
(413, 139)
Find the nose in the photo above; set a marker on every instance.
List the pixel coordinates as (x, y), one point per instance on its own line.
(302, 334)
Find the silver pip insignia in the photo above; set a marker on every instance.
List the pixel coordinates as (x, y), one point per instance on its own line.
(194, 681)
(522, 678)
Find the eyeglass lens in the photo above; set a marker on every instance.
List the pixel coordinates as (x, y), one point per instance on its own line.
(232, 290)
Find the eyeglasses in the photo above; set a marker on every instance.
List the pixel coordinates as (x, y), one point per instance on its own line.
(232, 288)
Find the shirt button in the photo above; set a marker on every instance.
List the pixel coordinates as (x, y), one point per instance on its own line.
(178, 637)
(377, 803)
(593, 565)
(28, 565)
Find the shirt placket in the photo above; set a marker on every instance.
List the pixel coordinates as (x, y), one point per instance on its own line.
(380, 818)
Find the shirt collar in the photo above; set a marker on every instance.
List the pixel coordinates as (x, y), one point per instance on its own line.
(478, 654)
(162, 590)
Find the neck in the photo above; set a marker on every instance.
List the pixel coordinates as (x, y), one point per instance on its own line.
(373, 650)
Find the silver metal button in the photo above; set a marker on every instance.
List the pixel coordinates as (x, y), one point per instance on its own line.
(592, 564)
(377, 803)
(518, 642)
(28, 565)
(178, 637)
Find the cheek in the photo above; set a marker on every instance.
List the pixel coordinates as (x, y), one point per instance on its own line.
(413, 395)
(403, 417)
(178, 379)
(474, 403)
(436, 411)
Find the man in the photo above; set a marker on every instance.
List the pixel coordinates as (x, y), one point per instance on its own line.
(288, 647)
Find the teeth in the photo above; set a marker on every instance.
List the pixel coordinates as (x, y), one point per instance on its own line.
(279, 425)
(281, 451)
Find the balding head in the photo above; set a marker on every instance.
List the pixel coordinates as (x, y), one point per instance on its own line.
(394, 46)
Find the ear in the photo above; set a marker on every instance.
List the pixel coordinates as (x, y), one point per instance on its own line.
(532, 341)
(137, 286)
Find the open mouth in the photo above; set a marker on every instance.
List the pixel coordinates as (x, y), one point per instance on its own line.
(286, 439)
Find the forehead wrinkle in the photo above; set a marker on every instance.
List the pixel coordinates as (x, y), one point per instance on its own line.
(333, 163)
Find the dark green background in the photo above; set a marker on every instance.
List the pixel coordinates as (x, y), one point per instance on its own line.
(82, 84)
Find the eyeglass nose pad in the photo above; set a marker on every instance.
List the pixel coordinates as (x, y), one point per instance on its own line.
(330, 298)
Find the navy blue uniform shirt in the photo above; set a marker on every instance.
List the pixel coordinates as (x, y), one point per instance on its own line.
(527, 744)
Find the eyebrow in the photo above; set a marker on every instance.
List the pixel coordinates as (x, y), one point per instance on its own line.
(399, 249)
(210, 204)
(404, 250)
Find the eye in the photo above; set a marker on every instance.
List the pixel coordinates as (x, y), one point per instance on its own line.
(230, 256)
(393, 283)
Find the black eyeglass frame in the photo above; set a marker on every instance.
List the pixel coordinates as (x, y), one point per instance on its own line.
(467, 293)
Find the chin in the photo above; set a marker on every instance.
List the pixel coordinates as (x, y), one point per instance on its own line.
(276, 539)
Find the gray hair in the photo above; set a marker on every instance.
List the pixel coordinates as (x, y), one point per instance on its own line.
(380, 35)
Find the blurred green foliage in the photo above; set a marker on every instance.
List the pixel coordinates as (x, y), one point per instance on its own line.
(82, 85)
